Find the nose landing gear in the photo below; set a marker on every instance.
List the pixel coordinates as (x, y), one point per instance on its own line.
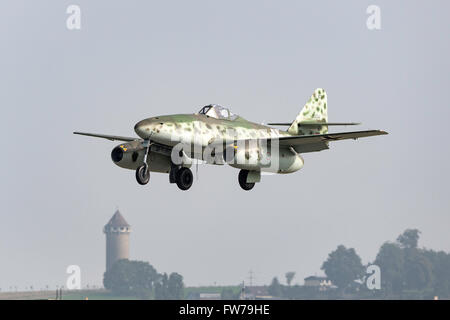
(243, 180)
(143, 174)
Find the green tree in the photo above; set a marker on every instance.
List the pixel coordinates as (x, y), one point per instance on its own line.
(409, 239)
(289, 277)
(440, 262)
(391, 260)
(175, 286)
(162, 287)
(343, 266)
(410, 272)
(229, 294)
(275, 289)
(169, 287)
(135, 278)
(418, 270)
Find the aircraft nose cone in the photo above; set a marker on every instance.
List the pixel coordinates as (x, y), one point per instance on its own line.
(142, 129)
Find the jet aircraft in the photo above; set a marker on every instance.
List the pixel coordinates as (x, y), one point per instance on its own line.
(172, 143)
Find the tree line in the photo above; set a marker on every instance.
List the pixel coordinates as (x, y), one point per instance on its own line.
(406, 272)
(141, 280)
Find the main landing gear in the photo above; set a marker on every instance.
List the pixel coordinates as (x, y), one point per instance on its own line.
(243, 180)
(182, 176)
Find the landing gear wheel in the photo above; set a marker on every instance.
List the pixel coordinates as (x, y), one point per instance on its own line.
(184, 178)
(143, 175)
(243, 180)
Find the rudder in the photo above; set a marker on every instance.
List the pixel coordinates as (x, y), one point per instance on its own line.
(315, 110)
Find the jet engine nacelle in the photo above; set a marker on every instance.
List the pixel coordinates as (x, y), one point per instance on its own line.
(130, 155)
(275, 160)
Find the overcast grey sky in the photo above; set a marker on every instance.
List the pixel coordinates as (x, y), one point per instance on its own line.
(263, 59)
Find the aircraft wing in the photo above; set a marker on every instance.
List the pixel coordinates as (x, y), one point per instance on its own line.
(105, 136)
(326, 137)
(318, 142)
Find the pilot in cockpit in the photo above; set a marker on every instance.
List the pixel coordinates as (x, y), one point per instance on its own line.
(218, 112)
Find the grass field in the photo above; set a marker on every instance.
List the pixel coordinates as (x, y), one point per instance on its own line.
(101, 294)
(94, 295)
(210, 289)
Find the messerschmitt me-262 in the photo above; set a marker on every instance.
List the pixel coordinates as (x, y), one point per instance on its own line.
(171, 143)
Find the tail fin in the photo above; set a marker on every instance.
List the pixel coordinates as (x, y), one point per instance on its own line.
(315, 110)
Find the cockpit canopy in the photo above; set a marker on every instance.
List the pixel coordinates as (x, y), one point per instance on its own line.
(218, 112)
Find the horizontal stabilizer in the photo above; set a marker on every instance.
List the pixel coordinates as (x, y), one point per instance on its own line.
(105, 136)
(304, 124)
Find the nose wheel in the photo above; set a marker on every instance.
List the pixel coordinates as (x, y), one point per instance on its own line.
(243, 180)
(143, 174)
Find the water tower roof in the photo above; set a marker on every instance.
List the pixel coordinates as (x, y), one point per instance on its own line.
(117, 220)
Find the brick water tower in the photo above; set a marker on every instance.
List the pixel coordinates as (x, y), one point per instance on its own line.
(117, 232)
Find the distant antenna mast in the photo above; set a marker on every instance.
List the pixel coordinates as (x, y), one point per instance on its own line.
(250, 277)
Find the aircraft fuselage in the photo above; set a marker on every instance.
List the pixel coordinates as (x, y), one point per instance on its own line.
(203, 131)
